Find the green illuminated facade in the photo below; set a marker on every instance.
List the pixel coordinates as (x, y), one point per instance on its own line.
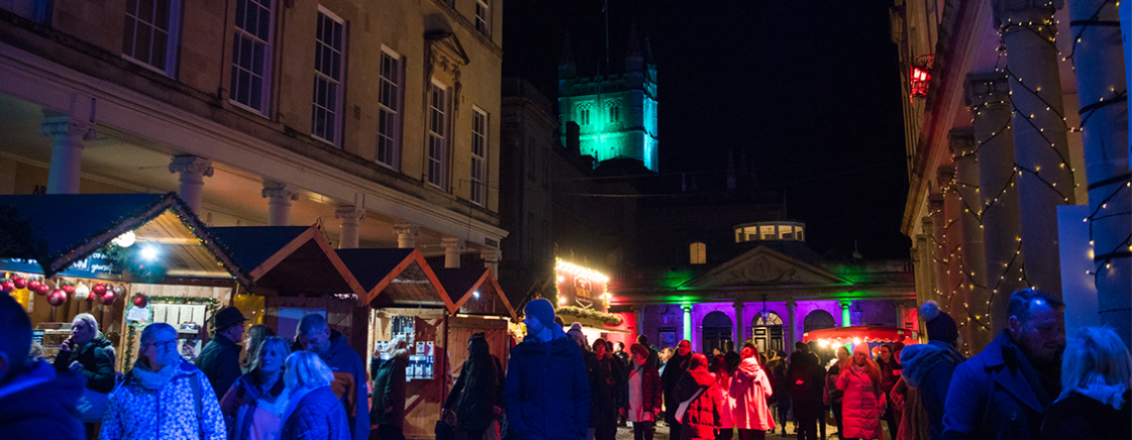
(615, 113)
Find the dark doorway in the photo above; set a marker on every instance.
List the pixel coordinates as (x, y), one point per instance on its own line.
(717, 332)
(767, 332)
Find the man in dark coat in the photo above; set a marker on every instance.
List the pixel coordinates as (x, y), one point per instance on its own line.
(674, 369)
(1002, 392)
(220, 358)
(35, 401)
(654, 357)
(547, 395)
(929, 368)
(475, 396)
(388, 411)
(349, 371)
(806, 383)
(731, 357)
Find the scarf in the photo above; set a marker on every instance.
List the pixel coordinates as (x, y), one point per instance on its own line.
(1097, 389)
(151, 380)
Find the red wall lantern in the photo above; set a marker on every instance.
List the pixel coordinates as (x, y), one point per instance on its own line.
(920, 76)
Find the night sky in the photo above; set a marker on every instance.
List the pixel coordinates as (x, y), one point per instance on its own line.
(809, 92)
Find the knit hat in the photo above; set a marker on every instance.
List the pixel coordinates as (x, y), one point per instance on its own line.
(576, 333)
(939, 324)
(862, 348)
(541, 309)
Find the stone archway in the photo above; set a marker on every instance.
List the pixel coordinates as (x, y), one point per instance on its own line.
(818, 320)
(716, 332)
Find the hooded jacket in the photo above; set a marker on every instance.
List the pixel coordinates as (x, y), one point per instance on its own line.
(220, 361)
(41, 405)
(928, 368)
(547, 395)
(317, 415)
(349, 383)
(997, 394)
(180, 409)
(97, 359)
(863, 403)
(750, 388)
(704, 414)
(389, 390)
(476, 393)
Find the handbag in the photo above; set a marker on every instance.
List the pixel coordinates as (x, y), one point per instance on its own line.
(683, 408)
(444, 431)
(91, 405)
(829, 418)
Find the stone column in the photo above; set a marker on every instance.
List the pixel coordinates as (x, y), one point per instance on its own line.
(350, 216)
(846, 315)
(67, 136)
(687, 322)
(193, 170)
(968, 186)
(988, 95)
(1041, 150)
(791, 305)
(956, 293)
(491, 258)
(1099, 62)
(453, 247)
(406, 235)
(939, 248)
(279, 197)
(740, 325)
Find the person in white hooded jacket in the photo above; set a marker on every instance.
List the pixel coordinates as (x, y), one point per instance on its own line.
(748, 392)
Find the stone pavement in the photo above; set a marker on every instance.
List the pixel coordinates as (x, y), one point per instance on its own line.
(626, 433)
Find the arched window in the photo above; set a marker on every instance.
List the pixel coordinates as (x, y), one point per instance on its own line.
(716, 331)
(819, 320)
(771, 319)
(698, 253)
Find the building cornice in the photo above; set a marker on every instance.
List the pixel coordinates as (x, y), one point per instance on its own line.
(469, 26)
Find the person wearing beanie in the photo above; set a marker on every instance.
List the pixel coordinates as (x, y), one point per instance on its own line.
(927, 373)
(1004, 391)
(547, 389)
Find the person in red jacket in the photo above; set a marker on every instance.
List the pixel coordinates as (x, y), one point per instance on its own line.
(697, 394)
(639, 394)
(863, 402)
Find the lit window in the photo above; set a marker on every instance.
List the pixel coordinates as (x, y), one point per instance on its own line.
(699, 253)
(584, 116)
(388, 115)
(150, 34)
(251, 54)
(328, 64)
(437, 129)
(479, 156)
(483, 17)
(614, 114)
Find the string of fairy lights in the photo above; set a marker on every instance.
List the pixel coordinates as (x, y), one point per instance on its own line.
(1044, 29)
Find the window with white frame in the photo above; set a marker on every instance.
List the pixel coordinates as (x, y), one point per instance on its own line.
(389, 111)
(251, 54)
(329, 59)
(614, 113)
(584, 116)
(437, 134)
(479, 156)
(483, 17)
(150, 33)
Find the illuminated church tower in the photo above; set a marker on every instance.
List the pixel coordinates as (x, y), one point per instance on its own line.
(615, 113)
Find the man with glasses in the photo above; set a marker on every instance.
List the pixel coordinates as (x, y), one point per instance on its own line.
(35, 401)
(163, 396)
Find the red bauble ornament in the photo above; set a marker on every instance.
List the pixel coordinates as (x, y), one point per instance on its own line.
(20, 282)
(140, 301)
(57, 298)
(33, 284)
(42, 289)
(98, 289)
(69, 288)
(107, 298)
(7, 286)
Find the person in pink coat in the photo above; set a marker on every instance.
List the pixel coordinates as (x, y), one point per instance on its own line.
(863, 403)
(748, 392)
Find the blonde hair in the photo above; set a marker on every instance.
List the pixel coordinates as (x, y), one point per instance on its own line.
(264, 345)
(306, 369)
(151, 330)
(397, 348)
(1095, 354)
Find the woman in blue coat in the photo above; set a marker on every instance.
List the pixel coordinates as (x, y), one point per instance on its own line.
(313, 411)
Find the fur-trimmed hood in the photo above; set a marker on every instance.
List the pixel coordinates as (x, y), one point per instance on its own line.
(918, 359)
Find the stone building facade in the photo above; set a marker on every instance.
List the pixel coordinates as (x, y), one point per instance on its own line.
(377, 118)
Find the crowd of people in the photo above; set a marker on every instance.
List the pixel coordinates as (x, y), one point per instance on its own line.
(1029, 383)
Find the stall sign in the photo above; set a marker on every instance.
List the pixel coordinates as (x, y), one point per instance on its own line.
(93, 266)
